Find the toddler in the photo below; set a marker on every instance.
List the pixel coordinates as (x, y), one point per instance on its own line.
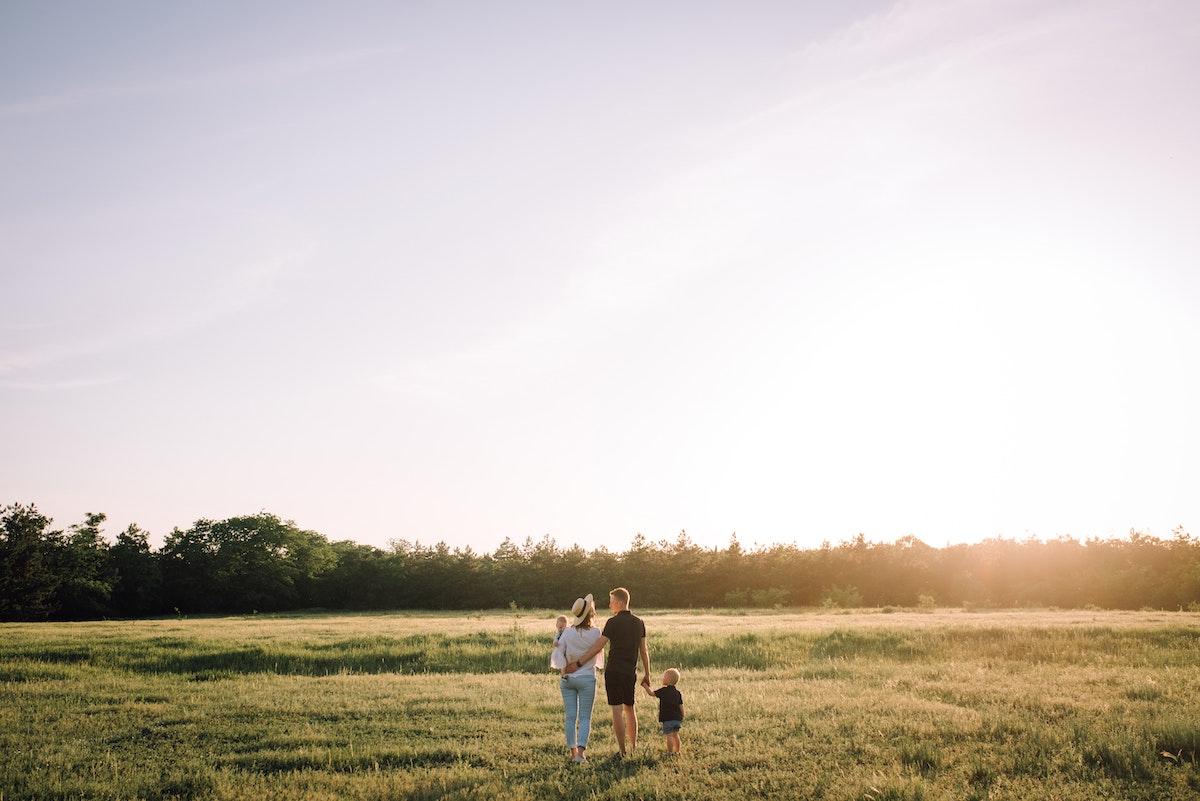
(670, 709)
(556, 657)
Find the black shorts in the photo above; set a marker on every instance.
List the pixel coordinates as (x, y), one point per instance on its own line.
(619, 687)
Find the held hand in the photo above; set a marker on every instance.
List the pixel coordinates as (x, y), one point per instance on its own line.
(646, 682)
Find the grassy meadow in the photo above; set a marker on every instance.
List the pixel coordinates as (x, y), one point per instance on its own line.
(797, 704)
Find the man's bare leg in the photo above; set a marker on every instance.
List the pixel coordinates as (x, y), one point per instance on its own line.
(631, 727)
(618, 713)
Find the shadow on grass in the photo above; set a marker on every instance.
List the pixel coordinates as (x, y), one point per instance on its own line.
(822, 655)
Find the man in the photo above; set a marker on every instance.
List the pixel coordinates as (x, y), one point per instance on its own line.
(627, 634)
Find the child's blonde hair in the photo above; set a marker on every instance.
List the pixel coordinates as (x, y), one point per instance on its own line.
(561, 619)
(671, 677)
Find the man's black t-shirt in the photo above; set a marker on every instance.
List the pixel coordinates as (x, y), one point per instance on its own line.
(670, 703)
(624, 632)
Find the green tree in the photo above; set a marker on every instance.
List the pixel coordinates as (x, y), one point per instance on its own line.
(28, 554)
(357, 580)
(85, 588)
(242, 564)
(136, 574)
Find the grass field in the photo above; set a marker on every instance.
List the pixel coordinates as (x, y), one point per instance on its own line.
(791, 704)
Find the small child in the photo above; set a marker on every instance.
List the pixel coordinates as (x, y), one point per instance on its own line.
(557, 660)
(670, 709)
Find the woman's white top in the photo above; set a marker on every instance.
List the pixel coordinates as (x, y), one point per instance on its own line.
(574, 643)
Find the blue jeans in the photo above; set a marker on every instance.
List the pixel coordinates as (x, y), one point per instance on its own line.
(578, 694)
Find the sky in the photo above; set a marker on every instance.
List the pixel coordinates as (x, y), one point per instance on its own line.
(461, 272)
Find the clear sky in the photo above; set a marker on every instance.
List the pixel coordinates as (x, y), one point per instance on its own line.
(466, 271)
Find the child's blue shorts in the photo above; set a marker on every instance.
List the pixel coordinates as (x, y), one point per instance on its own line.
(671, 726)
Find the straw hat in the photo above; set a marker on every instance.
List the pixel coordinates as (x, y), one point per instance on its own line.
(582, 608)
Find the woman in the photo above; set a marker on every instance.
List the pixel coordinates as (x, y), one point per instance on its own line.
(579, 688)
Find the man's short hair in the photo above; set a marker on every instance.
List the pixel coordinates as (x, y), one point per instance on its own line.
(621, 594)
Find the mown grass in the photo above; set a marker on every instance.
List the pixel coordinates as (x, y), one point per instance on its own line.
(798, 705)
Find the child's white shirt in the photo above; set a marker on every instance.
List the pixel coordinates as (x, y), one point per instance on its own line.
(573, 644)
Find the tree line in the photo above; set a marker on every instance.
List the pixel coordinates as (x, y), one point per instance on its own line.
(262, 563)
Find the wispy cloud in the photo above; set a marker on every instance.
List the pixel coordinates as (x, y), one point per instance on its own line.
(243, 289)
(247, 74)
(30, 326)
(65, 384)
